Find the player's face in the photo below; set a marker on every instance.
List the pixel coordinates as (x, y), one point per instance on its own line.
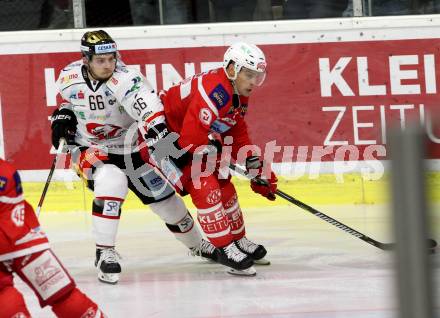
(102, 66)
(247, 80)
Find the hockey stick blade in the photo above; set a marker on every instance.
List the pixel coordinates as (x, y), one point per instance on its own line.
(431, 244)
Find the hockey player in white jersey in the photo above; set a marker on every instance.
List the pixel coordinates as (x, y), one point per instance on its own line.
(104, 105)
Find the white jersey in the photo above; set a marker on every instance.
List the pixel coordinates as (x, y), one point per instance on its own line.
(106, 110)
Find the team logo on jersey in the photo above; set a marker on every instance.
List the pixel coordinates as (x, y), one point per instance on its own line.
(104, 131)
(220, 96)
(3, 182)
(214, 197)
(205, 116)
(114, 81)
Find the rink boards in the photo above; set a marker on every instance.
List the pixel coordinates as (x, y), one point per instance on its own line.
(355, 189)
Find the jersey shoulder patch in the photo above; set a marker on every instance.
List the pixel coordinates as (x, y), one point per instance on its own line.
(219, 96)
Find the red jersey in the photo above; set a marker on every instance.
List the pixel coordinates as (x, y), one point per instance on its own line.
(203, 104)
(20, 232)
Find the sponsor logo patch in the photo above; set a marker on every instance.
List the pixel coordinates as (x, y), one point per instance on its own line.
(219, 127)
(80, 115)
(186, 224)
(111, 208)
(146, 115)
(231, 202)
(46, 275)
(66, 79)
(205, 116)
(3, 183)
(156, 182)
(220, 96)
(105, 48)
(79, 95)
(137, 83)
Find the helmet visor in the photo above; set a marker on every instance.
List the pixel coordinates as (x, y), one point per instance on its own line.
(254, 76)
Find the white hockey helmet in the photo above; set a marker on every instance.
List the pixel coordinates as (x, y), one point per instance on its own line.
(248, 56)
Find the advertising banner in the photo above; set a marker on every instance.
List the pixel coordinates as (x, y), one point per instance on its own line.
(321, 101)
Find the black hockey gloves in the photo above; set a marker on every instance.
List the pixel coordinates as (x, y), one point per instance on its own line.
(163, 144)
(155, 133)
(64, 124)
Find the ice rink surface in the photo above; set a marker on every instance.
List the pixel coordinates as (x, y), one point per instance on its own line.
(317, 271)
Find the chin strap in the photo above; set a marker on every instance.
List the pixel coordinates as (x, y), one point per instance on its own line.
(235, 97)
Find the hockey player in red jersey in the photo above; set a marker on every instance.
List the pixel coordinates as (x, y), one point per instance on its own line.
(25, 250)
(213, 105)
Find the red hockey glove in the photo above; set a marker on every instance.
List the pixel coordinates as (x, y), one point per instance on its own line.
(261, 183)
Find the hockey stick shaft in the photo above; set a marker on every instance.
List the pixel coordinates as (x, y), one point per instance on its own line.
(332, 221)
(383, 246)
(49, 177)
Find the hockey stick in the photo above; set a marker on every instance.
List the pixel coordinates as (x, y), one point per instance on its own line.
(383, 246)
(49, 177)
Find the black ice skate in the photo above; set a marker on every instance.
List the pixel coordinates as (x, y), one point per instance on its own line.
(107, 263)
(238, 263)
(256, 251)
(205, 250)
